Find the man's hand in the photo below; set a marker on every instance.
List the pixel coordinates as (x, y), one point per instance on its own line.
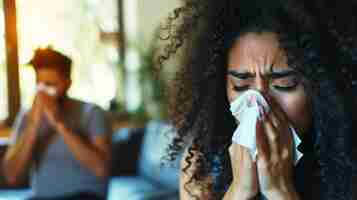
(51, 110)
(36, 112)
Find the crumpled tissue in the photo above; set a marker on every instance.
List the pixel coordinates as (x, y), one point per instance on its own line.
(247, 109)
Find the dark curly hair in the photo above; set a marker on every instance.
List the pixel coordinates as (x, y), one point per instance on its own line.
(198, 37)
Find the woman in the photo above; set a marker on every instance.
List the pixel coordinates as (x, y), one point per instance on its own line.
(278, 49)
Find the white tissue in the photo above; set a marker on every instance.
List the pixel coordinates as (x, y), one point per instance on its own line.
(247, 109)
(50, 90)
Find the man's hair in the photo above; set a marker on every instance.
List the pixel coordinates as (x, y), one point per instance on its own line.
(47, 58)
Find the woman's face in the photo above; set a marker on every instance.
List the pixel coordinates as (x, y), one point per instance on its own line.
(257, 62)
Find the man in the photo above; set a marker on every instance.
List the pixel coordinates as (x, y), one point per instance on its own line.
(64, 143)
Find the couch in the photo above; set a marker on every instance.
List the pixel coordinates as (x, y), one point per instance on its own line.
(141, 174)
(137, 170)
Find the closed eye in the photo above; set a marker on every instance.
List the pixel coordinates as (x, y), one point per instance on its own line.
(285, 88)
(240, 88)
(285, 84)
(241, 75)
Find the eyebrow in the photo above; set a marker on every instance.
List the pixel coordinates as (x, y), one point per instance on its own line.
(274, 74)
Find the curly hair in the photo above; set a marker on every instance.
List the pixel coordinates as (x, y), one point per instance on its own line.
(199, 36)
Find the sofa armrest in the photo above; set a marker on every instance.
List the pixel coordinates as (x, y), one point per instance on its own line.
(164, 194)
(125, 151)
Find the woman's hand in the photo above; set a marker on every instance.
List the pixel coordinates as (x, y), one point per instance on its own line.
(245, 180)
(275, 156)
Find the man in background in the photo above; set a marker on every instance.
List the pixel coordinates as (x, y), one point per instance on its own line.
(63, 143)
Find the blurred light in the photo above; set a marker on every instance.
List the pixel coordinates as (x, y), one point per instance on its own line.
(133, 93)
(3, 94)
(72, 27)
(113, 54)
(28, 79)
(131, 19)
(132, 61)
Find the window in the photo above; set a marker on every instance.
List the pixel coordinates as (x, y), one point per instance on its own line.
(3, 71)
(84, 30)
(3, 93)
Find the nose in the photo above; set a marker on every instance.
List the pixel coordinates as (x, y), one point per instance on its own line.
(261, 84)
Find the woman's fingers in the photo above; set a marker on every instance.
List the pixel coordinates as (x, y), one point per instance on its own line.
(281, 124)
(277, 111)
(240, 154)
(245, 176)
(273, 138)
(262, 142)
(274, 159)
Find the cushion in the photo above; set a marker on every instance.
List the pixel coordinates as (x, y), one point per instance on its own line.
(156, 141)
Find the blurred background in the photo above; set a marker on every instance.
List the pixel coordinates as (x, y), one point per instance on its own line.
(111, 43)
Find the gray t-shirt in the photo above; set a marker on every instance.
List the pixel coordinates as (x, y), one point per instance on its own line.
(55, 170)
